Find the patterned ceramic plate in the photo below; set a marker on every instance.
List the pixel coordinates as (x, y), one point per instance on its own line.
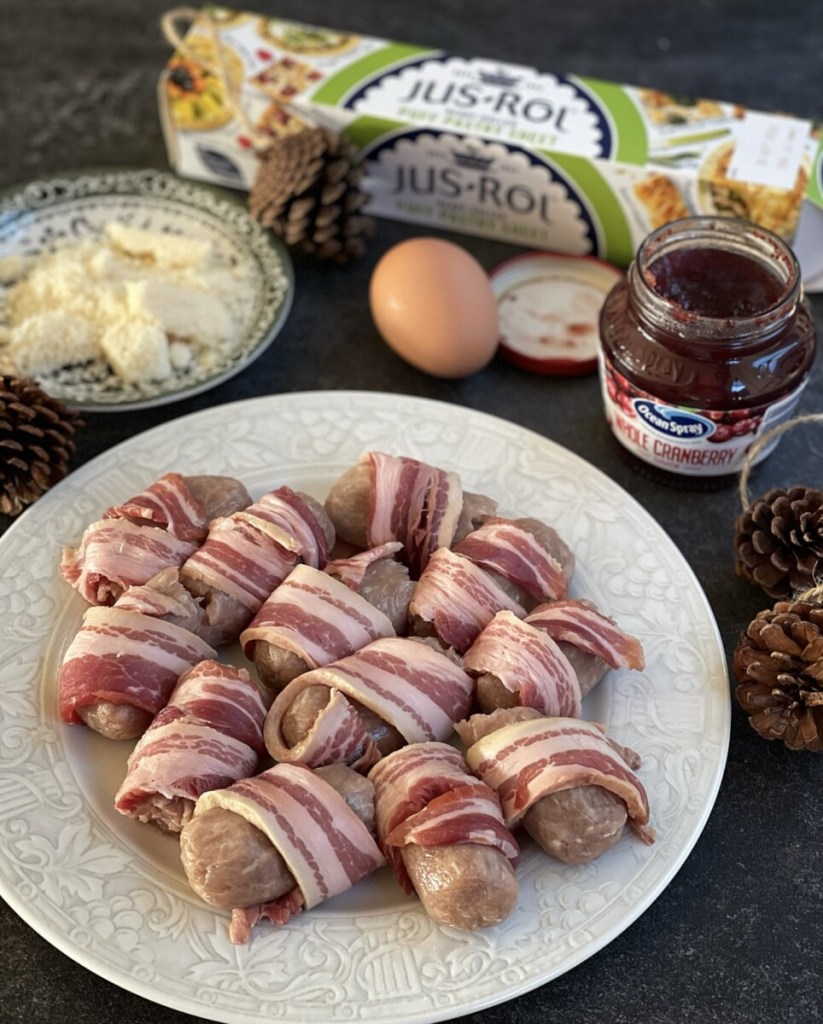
(111, 893)
(76, 207)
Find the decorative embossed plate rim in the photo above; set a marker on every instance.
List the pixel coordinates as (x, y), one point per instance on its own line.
(111, 894)
(77, 205)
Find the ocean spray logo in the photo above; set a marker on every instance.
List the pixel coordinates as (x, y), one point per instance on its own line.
(676, 424)
(478, 185)
(501, 101)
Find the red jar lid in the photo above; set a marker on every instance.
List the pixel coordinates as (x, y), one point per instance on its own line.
(549, 308)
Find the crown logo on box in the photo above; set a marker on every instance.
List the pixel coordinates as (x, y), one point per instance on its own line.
(471, 159)
(500, 77)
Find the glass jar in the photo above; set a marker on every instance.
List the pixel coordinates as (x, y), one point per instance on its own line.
(705, 345)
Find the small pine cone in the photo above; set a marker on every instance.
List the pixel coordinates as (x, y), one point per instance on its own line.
(307, 191)
(778, 665)
(778, 541)
(36, 442)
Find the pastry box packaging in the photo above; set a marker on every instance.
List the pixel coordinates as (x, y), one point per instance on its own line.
(542, 160)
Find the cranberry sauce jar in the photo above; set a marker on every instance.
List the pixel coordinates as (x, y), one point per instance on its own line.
(705, 345)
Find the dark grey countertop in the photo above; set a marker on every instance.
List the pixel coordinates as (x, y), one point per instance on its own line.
(736, 936)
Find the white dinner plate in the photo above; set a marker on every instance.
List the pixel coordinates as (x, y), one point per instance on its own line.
(76, 207)
(111, 893)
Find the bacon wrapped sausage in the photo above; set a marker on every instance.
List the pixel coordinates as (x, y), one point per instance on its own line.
(165, 597)
(120, 669)
(516, 664)
(549, 660)
(162, 526)
(115, 554)
(391, 692)
(378, 577)
(396, 498)
(208, 735)
(184, 505)
(571, 788)
(443, 834)
(455, 599)
(505, 564)
(286, 840)
(248, 554)
(526, 554)
(310, 620)
(591, 641)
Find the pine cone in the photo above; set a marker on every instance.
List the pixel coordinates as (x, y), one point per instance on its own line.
(778, 665)
(307, 191)
(778, 541)
(36, 442)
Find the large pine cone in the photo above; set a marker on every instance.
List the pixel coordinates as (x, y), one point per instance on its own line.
(36, 442)
(778, 665)
(778, 541)
(307, 190)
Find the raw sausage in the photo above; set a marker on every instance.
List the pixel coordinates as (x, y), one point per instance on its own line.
(352, 499)
(347, 505)
(574, 825)
(392, 691)
(219, 495)
(443, 834)
(273, 845)
(115, 721)
(387, 585)
(466, 886)
(302, 712)
(311, 619)
(231, 863)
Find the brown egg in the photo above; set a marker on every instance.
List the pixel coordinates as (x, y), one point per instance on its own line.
(433, 304)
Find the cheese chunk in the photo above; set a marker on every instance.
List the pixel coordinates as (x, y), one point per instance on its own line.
(199, 317)
(158, 247)
(137, 350)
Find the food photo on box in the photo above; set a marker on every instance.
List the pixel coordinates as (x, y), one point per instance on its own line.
(410, 513)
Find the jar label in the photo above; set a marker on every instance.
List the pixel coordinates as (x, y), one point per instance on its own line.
(687, 440)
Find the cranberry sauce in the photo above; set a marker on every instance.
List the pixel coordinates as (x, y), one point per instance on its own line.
(715, 283)
(709, 372)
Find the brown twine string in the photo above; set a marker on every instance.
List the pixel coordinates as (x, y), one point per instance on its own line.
(811, 596)
(169, 26)
(761, 443)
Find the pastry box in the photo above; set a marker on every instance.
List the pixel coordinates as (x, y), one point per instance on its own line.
(471, 144)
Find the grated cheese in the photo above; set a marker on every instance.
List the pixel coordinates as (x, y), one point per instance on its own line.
(145, 303)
